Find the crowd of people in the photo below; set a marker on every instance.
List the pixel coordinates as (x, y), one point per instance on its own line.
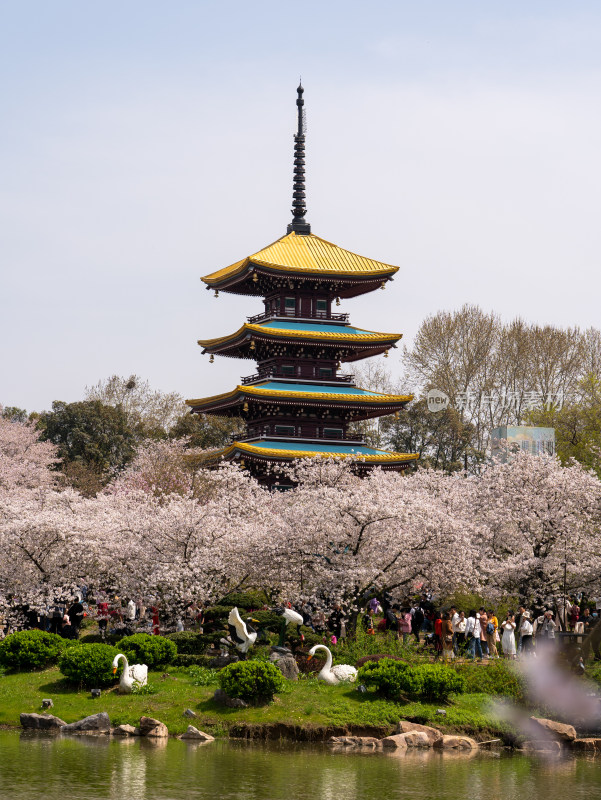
(449, 632)
(112, 613)
(479, 633)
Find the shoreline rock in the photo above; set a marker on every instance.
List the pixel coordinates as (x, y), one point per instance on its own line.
(401, 741)
(454, 742)
(354, 741)
(41, 722)
(433, 734)
(125, 730)
(194, 734)
(152, 728)
(549, 729)
(95, 723)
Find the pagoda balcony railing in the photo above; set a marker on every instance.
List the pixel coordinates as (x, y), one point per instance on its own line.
(356, 438)
(264, 374)
(265, 315)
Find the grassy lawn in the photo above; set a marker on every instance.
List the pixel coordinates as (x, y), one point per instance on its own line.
(306, 703)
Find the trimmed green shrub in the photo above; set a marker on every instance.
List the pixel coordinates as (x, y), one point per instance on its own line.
(188, 642)
(410, 682)
(428, 681)
(388, 677)
(31, 649)
(253, 681)
(143, 648)
(216, 613)
(497, 678)
(251, 599)
(439, 681)
(267, 620)
(89, 665)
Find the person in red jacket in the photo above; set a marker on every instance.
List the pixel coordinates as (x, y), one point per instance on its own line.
(438, 634)
(154, 610)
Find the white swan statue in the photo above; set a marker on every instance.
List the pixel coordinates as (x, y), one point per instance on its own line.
(136, 674)
(341, 673)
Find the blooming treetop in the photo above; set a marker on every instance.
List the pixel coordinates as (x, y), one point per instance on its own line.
(172, 534)
(343, 538)
(535, 515)
(24, 461)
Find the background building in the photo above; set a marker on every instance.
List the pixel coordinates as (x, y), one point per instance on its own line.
(529, 439)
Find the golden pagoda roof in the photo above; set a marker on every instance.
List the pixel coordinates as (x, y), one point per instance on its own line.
(305, 254)
(279, 391)
(287, 452)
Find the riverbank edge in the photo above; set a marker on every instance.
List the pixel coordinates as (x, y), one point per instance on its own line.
(310, 733)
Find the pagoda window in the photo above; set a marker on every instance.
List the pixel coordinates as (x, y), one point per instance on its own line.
(321, 308)
(332, 433)
(284, 430)
(290, 306)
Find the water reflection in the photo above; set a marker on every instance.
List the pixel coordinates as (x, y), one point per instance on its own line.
(106, 768)
(128, 776)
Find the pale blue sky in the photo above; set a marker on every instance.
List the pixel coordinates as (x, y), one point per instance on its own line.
(144, 144)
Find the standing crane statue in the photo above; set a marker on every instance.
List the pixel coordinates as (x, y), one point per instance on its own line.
(289, 617)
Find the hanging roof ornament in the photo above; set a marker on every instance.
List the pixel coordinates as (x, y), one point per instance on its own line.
(299, 224)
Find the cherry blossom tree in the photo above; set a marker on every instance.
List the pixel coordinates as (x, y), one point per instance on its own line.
(171, 532)
(535, 516)
(185, 545)
(344, 538)
(25, 461)
(160, 468)
(40, 527)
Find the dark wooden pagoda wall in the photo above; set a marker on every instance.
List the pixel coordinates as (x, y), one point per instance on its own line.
(305, 368)
(290, 420)
(305, 303)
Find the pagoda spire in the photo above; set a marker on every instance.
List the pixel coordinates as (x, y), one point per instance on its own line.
(299, 224)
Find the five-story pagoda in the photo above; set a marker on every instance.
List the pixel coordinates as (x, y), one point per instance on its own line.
(297, 404)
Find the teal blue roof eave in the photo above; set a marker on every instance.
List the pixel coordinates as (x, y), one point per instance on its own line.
(317, 327)
(313, 447)
(312, 388)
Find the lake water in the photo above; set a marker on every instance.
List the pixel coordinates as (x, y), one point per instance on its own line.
(89, 768)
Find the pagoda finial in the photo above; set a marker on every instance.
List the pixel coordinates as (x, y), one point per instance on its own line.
(299, 209)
